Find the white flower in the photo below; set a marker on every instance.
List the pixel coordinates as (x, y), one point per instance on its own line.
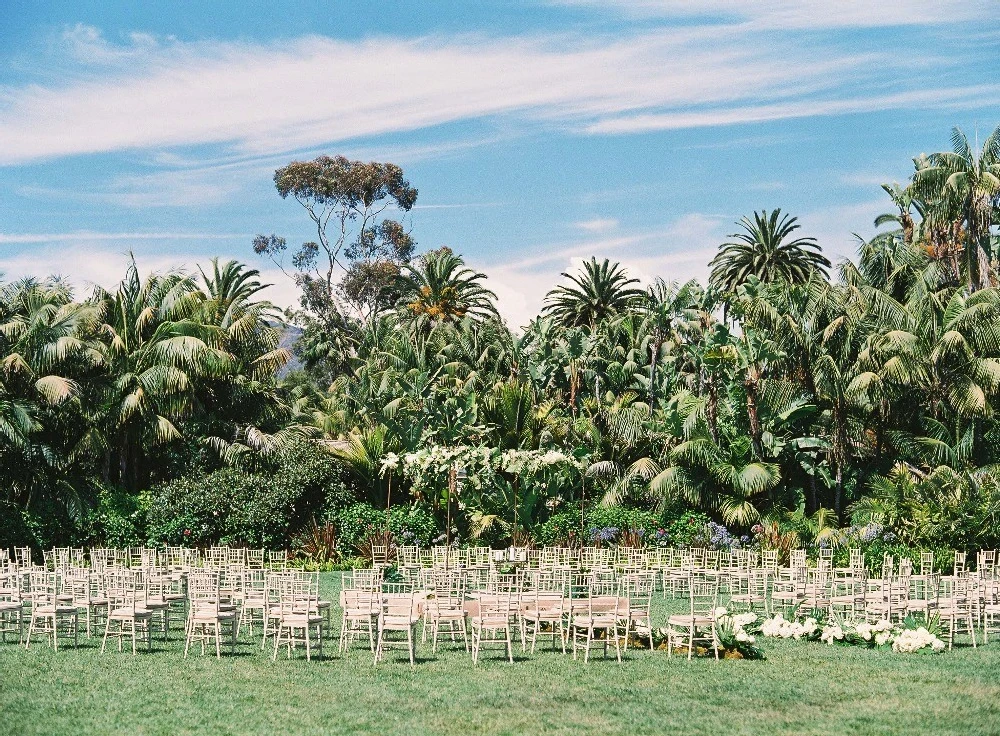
(831, 633)
(720, 612)
(741, 635)
(744, 619)
(882, 637)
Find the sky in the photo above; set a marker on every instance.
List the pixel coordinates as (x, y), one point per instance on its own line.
(538, 134)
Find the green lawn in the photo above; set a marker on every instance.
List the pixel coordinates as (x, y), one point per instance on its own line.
(802, 688)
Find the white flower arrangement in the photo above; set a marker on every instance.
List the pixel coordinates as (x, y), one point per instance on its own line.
(780, 627)
(735, 633)
(429, 467)
(903, 638)
(913, 640)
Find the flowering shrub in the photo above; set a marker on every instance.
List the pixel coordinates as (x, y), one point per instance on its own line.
(602, 535)
(694, 529)
(604, 525)
(409, 525)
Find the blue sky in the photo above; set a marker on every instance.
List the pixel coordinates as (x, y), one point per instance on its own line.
(538, 133)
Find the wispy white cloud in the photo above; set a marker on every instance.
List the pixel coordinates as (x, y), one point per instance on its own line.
(597, 225)
(261, 99)
(796, 14)
(89, 236)
(958, 98)
(679, 250)
(456, 205)
(101, 264)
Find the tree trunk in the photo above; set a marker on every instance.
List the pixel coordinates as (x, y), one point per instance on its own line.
(712, 411)
(755, 431)
(838, 493)
(654, 358)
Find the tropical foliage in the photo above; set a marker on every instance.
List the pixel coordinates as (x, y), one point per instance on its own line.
(783, 404)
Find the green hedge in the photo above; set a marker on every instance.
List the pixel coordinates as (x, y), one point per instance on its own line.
(408, 524)
(239, 507)
(560, 528)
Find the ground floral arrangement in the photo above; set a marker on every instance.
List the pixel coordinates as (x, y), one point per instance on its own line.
(737, 633)
(912, 635)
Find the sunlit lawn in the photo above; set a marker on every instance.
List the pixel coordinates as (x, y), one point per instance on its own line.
(801, 688)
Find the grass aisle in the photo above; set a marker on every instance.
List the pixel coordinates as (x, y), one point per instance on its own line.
(802, 688)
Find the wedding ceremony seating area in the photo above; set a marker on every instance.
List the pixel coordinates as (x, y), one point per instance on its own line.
(577, 601)
(425, 639)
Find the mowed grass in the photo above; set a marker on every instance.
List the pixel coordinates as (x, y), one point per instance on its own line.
(801, 688)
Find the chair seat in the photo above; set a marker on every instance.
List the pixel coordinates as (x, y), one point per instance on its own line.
(491, 622)
(212, 615)
(543, 615)
(359, 613)
(594, 622)
(300, 619)
(449, 614)
(10, 606)
(681, 620)
(50, 610)
(127, 613)
(406, 621)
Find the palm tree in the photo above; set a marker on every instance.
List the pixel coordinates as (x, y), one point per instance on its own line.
(241, 414)
(439, 288)
(45, 353)
(667, 305)
(600, 291)
(971, 178)
(155, 349)
(766, 250)
(906, 202)
(721, 478)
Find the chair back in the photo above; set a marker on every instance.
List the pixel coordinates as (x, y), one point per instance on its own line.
(203, 592)
(704, 596)
(123, 588)
(926, 563)
(255, 559)
(959, 567)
